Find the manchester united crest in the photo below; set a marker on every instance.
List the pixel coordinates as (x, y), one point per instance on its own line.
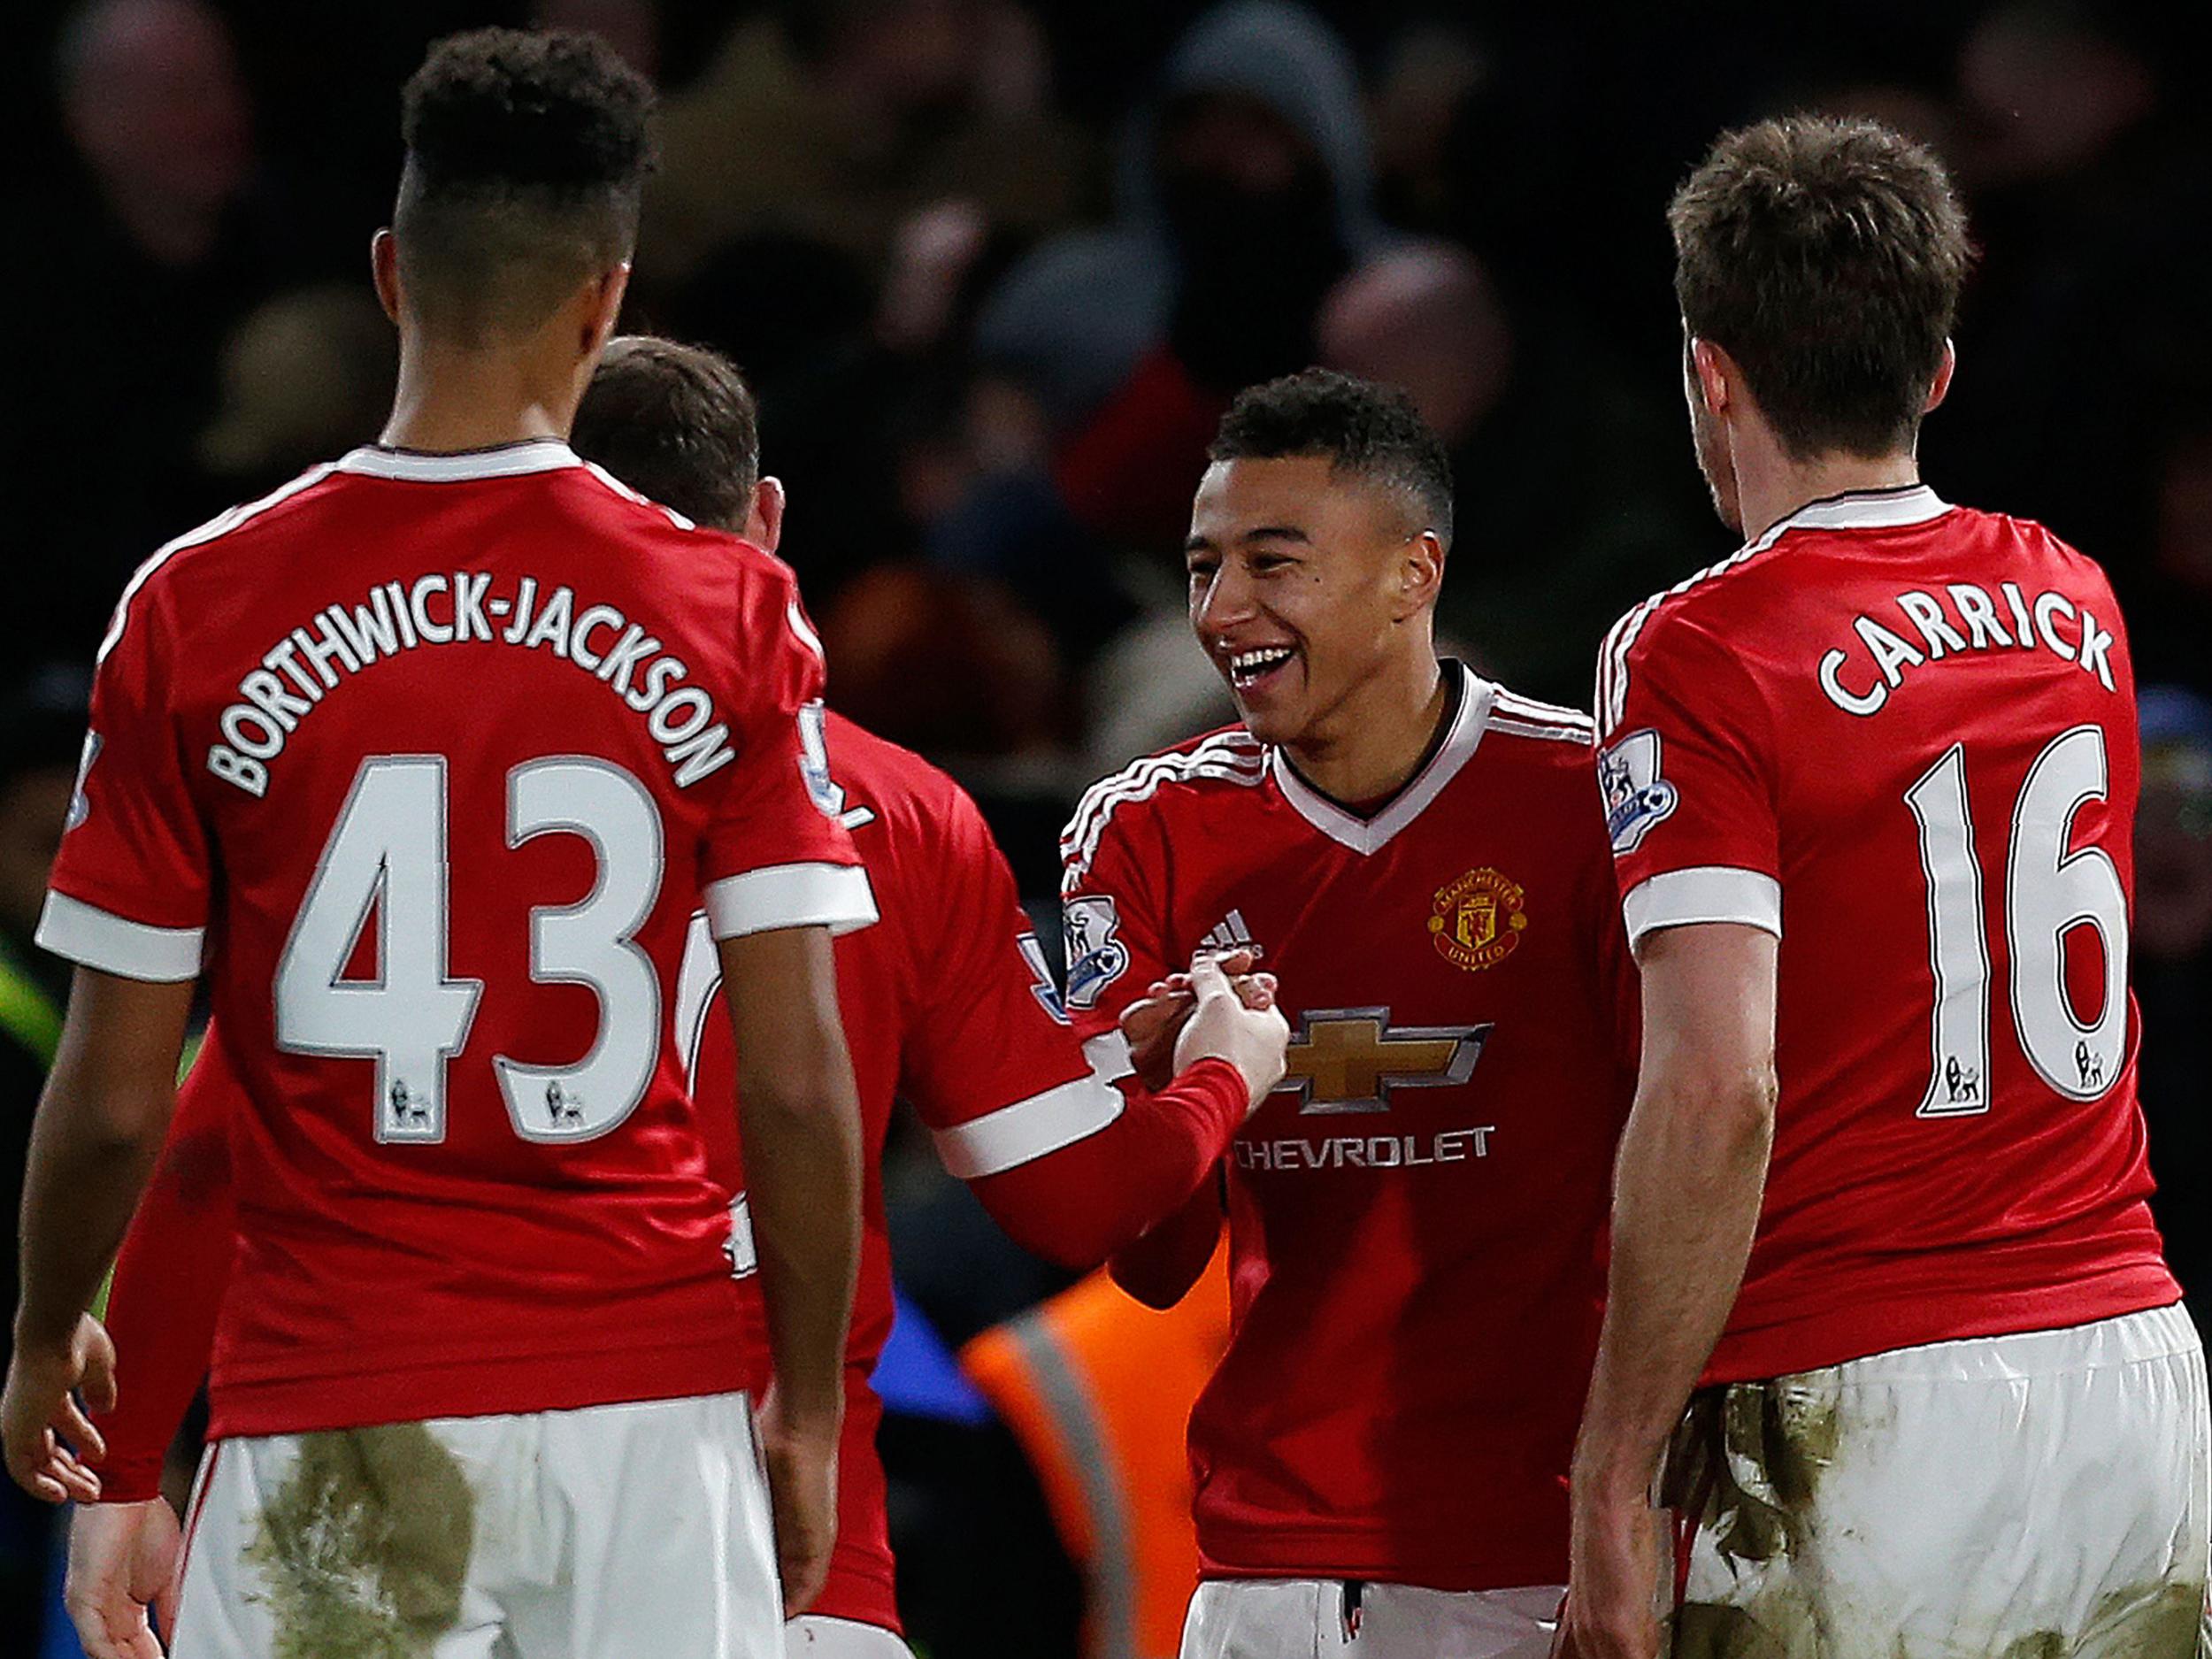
(1478, 920)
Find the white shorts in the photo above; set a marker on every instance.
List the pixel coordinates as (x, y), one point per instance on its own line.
(2043, 1494)
(810, 1636)
(626, 1529)
(1306, 1618)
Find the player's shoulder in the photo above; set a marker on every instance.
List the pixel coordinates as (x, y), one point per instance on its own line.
(246, 527)
(896, 787)
(1540, 733)
(1229, 761)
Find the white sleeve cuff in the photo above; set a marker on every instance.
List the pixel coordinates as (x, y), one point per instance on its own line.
(1028, 1129)
(1703, 892)
(100, 939)
(836, 896)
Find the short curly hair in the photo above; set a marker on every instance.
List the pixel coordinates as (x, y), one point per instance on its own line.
(677, 423)
(1825, 255)
(1367, 430)
(527, 157)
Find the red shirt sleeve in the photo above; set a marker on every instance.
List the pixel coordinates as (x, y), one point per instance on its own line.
(169, 1280)
(129, 890)
(1683, 763)
(776, 855)
(1062, 1147)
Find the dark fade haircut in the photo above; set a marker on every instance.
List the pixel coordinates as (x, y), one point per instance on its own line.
(527, 157)
(1366, 429)
(677, 423)
(1825, 255)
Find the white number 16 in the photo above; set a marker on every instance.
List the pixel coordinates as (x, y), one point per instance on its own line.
(2048, 891)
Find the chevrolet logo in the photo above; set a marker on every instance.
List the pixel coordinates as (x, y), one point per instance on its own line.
(1350, 1059)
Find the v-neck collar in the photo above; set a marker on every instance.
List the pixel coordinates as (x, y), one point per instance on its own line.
(1372, 834)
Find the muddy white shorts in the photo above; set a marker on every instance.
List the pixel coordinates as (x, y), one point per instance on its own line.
(2041, 1496)
(810, 1636)
(1307, 1618)
(638, 1529)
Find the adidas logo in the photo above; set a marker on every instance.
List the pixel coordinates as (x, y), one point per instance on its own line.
(1229, 933)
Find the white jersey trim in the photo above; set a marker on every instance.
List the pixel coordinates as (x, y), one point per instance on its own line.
(94, 938)
(1858, 510)
(629, 494)
(1702, 892)
(219, 525)
(505, 460)
(1232, 757)
(1370, 835)
(836, 896)
(1031, 1129)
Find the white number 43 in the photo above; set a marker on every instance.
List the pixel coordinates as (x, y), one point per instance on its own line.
(388, 856)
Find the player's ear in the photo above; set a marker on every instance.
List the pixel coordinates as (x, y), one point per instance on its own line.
(384, 271)
(763, 525)
(1420, 573)
(1939, 387)
(604, 309)
(1714, 373)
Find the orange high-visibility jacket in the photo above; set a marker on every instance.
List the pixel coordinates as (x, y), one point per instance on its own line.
(1099, 1388)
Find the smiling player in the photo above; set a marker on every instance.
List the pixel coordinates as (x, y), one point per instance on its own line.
(949, 1006)
(1414, 1213)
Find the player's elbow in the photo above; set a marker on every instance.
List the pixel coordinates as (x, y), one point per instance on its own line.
(1737, 1106)
(1144, 1283)
(1726, 1110)
(1034, 1209)
(810, 1100)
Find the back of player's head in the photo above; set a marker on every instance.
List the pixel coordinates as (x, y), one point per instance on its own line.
(1367, 430)
(526, 156)
(674, 422)
(1825, 255)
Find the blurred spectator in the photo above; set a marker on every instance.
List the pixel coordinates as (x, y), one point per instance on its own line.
(1099, 1389)
(1245, 190)
(2173, 975)
(1570, 503)
(148, 248)
(305, 378)
(835, 122)
(42, 730)
(2169, 600)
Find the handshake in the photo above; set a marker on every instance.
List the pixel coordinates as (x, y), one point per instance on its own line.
(1221, 1010)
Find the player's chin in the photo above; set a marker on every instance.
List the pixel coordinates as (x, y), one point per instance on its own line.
(1271, 719)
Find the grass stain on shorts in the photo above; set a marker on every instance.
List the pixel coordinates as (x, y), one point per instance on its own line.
(364, 1548)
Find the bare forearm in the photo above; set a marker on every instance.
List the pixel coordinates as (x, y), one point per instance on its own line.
(803, 1186)
(99, 1129)
(1687, 1190)
(79, 1191)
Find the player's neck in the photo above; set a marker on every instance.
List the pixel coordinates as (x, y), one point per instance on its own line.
(450, 400)
(1372, 743)
(1766, 493)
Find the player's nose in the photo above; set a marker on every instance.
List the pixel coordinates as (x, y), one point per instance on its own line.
(1224, 602)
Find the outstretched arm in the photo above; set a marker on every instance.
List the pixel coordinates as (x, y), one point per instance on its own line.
(99, 1128)
(1222, 1041)
(1687, 1184)
(1160, 1268)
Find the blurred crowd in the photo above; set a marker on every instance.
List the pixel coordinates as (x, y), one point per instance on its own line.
(994, 269)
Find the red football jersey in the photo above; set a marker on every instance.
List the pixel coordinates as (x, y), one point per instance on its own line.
(1415, 1216)
(431, 759)
(1908, 731)
(950, 1007)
